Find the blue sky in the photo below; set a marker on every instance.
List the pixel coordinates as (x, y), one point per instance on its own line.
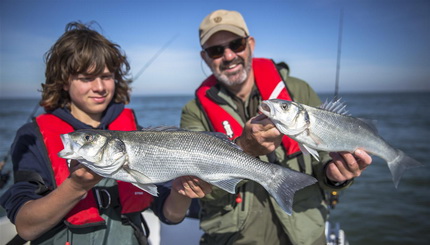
(385, 43)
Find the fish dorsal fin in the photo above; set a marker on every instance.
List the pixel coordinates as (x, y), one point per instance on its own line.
(218, 135)
(339, 107)
(335, 106)
(222, 137)
(163, 128)
(370, 123)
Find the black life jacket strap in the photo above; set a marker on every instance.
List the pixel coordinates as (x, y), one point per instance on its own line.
(34, 178)
(302, 165)
(141, 231)
(16, 240)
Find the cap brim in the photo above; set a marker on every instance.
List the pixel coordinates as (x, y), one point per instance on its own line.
(229, 28)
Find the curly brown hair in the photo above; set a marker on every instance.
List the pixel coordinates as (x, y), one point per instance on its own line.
(78, 50)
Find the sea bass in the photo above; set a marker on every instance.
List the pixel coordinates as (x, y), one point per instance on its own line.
(329, 128)
(147, 157)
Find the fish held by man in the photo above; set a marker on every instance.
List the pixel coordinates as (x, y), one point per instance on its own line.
(330, 128)
(151, 156)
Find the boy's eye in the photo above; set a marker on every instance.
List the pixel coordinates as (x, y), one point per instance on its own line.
(92, 78)
(107, 77)
(85, 79)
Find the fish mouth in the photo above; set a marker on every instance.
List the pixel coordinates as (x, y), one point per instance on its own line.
(266, 108)
(68, 151)
(67, 146)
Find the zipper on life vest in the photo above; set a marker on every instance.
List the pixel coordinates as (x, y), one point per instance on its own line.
(68, 236)
(240, 199)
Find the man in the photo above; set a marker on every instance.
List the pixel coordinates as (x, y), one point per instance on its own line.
(227, 102)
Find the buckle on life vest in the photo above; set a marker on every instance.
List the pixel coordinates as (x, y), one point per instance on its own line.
(228, 130)
(103, 198)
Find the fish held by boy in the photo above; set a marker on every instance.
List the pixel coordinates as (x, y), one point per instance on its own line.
(152, 156)
(329, 128)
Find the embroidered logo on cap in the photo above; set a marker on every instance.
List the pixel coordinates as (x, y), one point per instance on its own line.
(217, 19)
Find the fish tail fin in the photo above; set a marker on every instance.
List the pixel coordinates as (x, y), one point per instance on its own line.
(284, 184)
(400, 164)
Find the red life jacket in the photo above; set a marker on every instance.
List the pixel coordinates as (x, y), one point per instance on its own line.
(132, 199)
(270, 85)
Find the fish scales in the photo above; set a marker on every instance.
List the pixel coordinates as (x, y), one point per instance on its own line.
(155, 156)
(148, 147)
(334, 131)
(324, 123)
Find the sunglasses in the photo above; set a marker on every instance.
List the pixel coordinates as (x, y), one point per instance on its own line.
(237, 45)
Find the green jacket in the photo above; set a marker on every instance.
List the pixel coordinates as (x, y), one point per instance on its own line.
(115, 232)
(225, 221)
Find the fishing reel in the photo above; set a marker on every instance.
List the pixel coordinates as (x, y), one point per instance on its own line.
(332, 199)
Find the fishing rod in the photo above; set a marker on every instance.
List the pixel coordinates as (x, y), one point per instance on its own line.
(339, 47)
(30, 117)
(4, 177)
(332, 198)
(139, 73)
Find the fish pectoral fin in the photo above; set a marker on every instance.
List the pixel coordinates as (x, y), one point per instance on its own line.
(150, 188)
(229, 185)
(317, 140)
(307, 150)
(138, 176)
(141, 181)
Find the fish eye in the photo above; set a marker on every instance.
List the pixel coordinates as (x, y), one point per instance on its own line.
(284, 106)
(89, 137)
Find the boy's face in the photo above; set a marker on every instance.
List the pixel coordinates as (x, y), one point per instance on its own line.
(90, 95)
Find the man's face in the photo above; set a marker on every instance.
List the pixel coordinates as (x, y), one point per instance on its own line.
(229, 67)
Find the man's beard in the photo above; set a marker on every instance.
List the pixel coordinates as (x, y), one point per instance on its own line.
(229, 80)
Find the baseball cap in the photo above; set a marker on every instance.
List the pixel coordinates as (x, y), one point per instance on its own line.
(222, 20)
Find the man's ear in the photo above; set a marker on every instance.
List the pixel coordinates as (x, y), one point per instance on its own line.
(251, 42)
(204, 56)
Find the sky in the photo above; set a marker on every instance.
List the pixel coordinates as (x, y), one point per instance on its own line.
(384, 43)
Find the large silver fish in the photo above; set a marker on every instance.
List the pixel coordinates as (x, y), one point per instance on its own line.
(329, 128)
(155, 156)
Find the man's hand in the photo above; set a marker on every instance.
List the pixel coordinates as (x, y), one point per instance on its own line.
(183, 190)
(259, 136)
(345, 165)
(191, 187)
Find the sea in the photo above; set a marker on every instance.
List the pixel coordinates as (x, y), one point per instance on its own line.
(371, 212)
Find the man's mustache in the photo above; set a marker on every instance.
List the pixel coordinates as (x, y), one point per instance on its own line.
(235, 61)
